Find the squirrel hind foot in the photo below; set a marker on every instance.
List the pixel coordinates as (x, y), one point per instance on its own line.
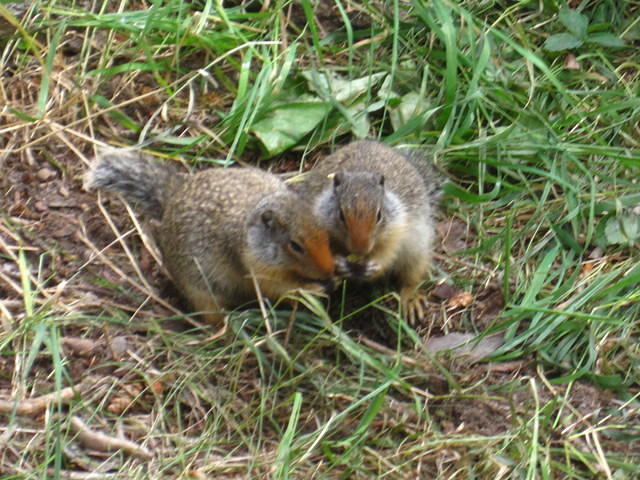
(414, 303)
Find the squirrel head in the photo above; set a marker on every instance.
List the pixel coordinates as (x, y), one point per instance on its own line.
(356, 207)
(284, 236)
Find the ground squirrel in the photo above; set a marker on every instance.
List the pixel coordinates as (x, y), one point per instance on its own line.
(221, 228)
(376, 203)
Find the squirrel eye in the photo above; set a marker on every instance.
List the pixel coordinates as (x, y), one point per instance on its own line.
(379, 216)
(296, 247)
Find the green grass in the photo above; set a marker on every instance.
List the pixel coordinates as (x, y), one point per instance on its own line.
(541, 163)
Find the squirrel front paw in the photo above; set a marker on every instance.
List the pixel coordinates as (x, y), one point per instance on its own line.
(321, 288)
(353, 269)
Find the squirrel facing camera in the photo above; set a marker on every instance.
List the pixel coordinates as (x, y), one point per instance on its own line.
(358, 199)
(377, 204)
(223, 229)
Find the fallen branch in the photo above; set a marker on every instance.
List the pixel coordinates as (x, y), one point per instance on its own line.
(75, 475)
(33, 406)
(104, 443)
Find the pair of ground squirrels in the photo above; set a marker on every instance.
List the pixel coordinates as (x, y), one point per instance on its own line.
(222, 230)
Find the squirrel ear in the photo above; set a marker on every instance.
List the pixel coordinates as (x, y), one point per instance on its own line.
(271, 221)
(337, 179)
(268, 218)
(381, 180)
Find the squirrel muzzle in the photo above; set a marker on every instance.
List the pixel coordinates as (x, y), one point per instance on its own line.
(320, 253)
(360, 234)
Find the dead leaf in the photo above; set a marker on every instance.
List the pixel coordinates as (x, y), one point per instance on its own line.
(570, 62)
(157, 387)
(464, 344)
(463, 299)
(587, 268)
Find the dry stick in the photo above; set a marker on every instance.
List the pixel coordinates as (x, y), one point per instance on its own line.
(6, 319)
(125, 247)
(78, 475)
(292, 319)
(57, 128)
(148, 242)
(590, 434)
(33, 406)
(263, 310)
(15, 237)
(17, 288)
(104, 443)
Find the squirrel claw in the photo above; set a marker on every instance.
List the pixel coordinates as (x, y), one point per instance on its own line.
(413, 306)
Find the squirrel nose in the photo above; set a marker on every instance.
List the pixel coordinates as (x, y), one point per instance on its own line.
(360, 235)
(360, 245)
(321, 255)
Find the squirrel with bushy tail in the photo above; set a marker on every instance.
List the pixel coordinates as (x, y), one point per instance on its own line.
(223, 232)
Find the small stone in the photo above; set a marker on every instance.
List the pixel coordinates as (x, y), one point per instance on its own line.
(596, 253)
(45, 174)
(40, 206)
(119, 346)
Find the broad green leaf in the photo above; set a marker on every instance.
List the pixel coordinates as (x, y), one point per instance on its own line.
(575, 21)
(343, 90)
(613, 232)
(540, 276)
(358, 118)
(411, 105)
(631, 226)
(623, 229)
(562, 41)
(606, 40)
(283, 460)
(286, 124)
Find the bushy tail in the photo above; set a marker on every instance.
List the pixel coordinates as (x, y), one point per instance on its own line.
(141, 180)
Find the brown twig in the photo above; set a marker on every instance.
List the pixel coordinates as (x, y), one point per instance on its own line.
(33, 406)
(104, 443)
